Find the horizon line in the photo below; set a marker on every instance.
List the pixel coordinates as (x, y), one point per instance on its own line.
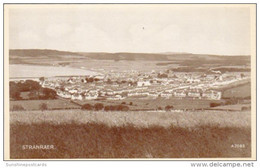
(166, 52)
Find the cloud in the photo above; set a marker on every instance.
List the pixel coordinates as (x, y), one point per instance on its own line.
(88, 37)
(25, 39)
(29, 35)
(58, 29)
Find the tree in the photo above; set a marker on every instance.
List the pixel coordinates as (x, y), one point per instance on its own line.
(15, 94)
(36, 91)
(113, 108)
(18, 108)
(162, 75)
(43, 106)
(62, 88)
(33, 95)
(242, 75)
(159, 108)
(87, 107)
(14, 91)
(41, 79)
(214, 104)
(90, 80)
(168, 108)
(122, 108)
(109, 81)
(49, 93)
(98, 106)
(30, 85)
(107, 108)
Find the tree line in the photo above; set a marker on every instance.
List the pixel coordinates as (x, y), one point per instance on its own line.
(100, 106)
(34, 91)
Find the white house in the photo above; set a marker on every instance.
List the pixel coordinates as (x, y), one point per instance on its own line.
(64, 94)
(76, 97)
(143, 83)
(214, 95)
(166, 95)
(179, 94)
(194, 94)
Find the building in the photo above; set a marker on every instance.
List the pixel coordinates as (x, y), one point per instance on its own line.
(194, 94)
(76, 97)
(166, 95)
(143, 83)
(213, 95)
(179, 94)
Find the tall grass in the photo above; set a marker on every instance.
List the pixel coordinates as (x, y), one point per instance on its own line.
(143, 119)
(93, 140)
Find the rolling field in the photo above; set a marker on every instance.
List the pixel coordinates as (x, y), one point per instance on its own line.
(94, 140)
(140, 119)
(235, 107)
(144, 104)
(29, 105)
(240, 91)
(87, 134)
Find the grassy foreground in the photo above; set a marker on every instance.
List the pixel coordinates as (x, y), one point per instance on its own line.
(93, 140)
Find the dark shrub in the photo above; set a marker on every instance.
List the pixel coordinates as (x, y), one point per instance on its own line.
(231, 101)
(87, 107)
(15, 94)
(245, 108)
(168, 108)
(43, 107)
(107, 108)
(18, 108)
(49, 93)
(131, 103)
(122, 108)
(98, 106)
(34, 89)
(116, 108)
(215, 104)
(162, 75)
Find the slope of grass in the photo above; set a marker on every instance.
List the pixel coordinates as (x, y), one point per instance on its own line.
(140, 119)
(51, 104)
(94, 140)
(240, 91)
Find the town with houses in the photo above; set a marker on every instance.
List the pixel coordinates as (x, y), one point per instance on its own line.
(121, 85)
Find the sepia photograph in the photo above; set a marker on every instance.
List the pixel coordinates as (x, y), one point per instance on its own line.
(130, 81)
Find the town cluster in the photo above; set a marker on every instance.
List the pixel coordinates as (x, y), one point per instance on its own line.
(120, 85)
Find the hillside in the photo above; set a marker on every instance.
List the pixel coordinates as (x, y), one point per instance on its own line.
(164, 60)
(39, 52)
(119, 56)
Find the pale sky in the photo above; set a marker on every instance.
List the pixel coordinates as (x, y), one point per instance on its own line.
(223, 30)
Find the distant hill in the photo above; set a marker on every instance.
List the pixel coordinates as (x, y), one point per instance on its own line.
(39, 52)
(49, 57)
(169, 56)
(127, 56)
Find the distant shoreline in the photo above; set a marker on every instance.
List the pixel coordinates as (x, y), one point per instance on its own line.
(37, 71)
